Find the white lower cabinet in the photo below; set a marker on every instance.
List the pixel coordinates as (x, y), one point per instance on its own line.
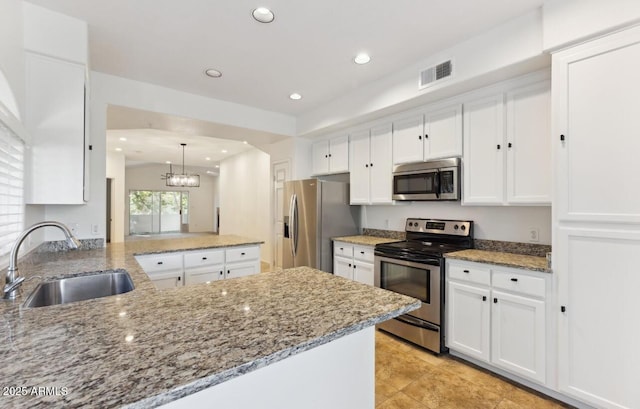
(498, 315)
(354, 262)
(170, 270)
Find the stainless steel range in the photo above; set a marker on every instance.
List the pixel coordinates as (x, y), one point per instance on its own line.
(415, 267)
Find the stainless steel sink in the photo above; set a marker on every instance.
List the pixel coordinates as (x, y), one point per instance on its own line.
(86, 287)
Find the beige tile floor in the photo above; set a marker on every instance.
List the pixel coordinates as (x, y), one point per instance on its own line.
(408, 377)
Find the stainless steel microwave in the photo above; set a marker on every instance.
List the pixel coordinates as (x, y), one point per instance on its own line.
(434, 180)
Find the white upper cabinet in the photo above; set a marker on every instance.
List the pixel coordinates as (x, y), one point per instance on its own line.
(330, 156)
(371, 170)
(529, 144)
(596, 135)
(435, 134)
(483, 151)
(507, 147)
(443, 132)
(407, 140)
(55, 118)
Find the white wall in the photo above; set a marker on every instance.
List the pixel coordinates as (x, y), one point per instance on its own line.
(508, 223)
(516, 44)
(116, 172)
(245, 198)
(11, 53)
(568, 21)
(201, 199)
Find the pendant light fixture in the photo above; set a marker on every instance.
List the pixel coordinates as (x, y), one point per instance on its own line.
(183, 179)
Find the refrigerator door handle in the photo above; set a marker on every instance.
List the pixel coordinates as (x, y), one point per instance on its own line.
(295, 224)
(291, 226)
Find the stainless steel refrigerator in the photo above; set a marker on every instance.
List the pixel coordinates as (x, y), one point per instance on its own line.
(314, 212)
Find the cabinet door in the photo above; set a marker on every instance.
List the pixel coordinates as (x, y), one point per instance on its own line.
(203, 274)
(598, 332)
(343, 267)
(468, 318)
(363, 273)
(483, 151)
(529, 145)
(518, 336)
(55, 119)
(596, 110)
(443, 133)
(339, 154)
(381, 167)
(320, 157)
(359, 174)
(407, 140)
(236, 270)
(167, 279)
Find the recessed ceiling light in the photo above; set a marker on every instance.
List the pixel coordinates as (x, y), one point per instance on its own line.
(123, 139)
(168, 162)
(245, 142)
(213, 73)
(118, 149)
(224, 151)
(217, 166)
(362, 58)
(295, 96)
(207, 158)
(263, 15)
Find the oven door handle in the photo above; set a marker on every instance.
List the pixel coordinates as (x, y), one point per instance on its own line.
(437, 184)
(407, 319)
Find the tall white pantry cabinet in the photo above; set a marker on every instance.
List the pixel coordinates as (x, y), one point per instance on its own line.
(596, 218)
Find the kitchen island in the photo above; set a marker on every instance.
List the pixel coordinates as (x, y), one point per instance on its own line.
(147, 348)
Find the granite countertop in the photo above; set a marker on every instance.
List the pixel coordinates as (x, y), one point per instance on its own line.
(148, 347)
(502, 259)
(365, 240)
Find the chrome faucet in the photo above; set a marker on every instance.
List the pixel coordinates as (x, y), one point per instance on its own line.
(13, 281)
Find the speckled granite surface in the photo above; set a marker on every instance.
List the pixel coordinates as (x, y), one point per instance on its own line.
(391, 234)
(502, 259)
(364, 240)
(62, 245)
(529, 249)
(148, 347)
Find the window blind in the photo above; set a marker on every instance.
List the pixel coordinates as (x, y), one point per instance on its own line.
(11, 190)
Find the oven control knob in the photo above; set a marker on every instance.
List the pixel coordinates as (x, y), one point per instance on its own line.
(455, 227)
(463, 227)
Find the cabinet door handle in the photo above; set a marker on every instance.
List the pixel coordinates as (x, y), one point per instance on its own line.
(484, 298)
(228, 272)
(426, 136)
(362, 252)
(349, 264)
(371, 164)
(204, 258)
(420, 137)
(354, 266)
(178, 278)
(465, 271)
(242, 254)
(326, 156)
(498, 147)
(562, 138)
(495, 300)
(515, 280)
(563, 308)
(509, 145)
(329, 155)
(221, 272)
(341, 248)
(160, 262)
(366, 165)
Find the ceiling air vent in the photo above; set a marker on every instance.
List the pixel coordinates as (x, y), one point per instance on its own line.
(435, 73)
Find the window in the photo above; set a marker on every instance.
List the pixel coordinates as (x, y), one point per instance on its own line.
(155, 212)
(11, 190)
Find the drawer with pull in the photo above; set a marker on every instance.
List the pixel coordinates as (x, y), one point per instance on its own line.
(341, 249)
(160, 262)
(469, 273)
(242, 254)
(363, 253)
(521, 283)
(203, 258)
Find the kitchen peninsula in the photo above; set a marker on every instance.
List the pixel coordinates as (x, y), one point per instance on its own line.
(278, 338)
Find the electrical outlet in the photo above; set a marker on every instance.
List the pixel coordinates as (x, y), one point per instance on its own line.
(534, 234)
(94, 229)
